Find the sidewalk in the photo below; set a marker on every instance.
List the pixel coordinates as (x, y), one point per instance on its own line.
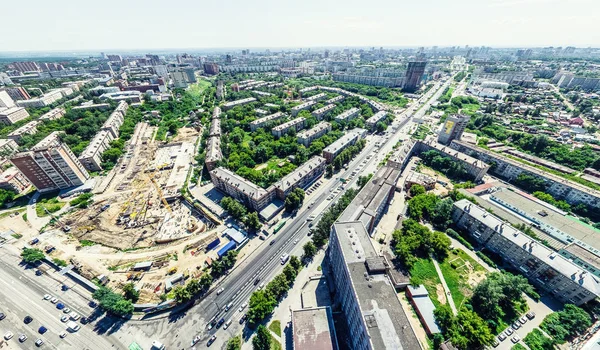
(446, 289)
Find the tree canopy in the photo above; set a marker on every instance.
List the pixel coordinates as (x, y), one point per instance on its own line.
(32, 255)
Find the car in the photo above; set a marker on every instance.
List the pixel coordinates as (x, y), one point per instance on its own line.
(261, 237)
(501, 336)
(38, 272)
(22, 338)
(84, 320)
(256, 281)
(261, 286)
(515, 339)
(92, 303)
(495, 343)
(60, 306)
(47, 297)
(220, 291)
(244, 318)
(2, 316)
(42, 330)
(530, 315)
(39, 343)
(523, 319)
(228, 306)
(508, 332)
(220, 323)
(27, 319)
(296, 241)
(64, 318)
(66, 310)
(211, 340)
(74, 315)
(227, 324)
(195, 340)
(242, 307)
(54, 300)
(8, 336)
(64, 287)
(272, 242)
(62, 334)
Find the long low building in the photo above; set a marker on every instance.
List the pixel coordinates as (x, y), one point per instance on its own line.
(331, 151)
(301, 107)
(294, 124)
(475, 168)
(261, 122)
(215, 127)
(348, 115)
(317, 97)
(45, 100)
(321, 112)
(133, 96)
(306, 137)
(216, 113)
(232, 104)
(235, 186)
(548, 270)
(336, 99)
(510, 169)
(303, 176)
(114, 122)
(91, 157)
(12, 115)
(376, 118)
(213, 152)
(27, 129)
(54, 114)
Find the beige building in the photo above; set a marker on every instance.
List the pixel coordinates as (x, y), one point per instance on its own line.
(306, 137)
(12, 115)
(294, 124)
(13, 180)
(91, 157)
(27, 129)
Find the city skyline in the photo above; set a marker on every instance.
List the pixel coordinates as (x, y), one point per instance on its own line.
(114, 26)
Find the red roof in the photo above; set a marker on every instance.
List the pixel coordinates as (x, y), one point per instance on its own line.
(577, 121)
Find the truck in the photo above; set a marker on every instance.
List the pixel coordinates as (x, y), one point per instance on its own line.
(213, 244)
(72, 326)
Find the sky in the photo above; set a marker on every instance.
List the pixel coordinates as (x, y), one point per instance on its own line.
(63, 25)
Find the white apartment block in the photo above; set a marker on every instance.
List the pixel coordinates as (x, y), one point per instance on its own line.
(296, 124)
(45, 100)
(317, 97)
(12, 115)
(376, 118)
(261, 122)
(5, 100)
(91, 157)
(348, 115)
(8, 148)
(232, 104)
(306, 137)
(54, 114)
(301, 107)
(27, 129)
(321, 112)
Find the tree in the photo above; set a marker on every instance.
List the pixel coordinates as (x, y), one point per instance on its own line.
(260, 305)
(380, 127)
(567, 323)
(193, 286)
(113, 302)
(295, 262)
(278, 286)
(6, 196)
(466, 330)
(262, 340)
(294, 200)
(32, 255)
(290, 274)
(234, 343)
(497, 294)
(130, 293)
(363, 180)
(329, 171)
(181, 294)
(416, 190)
(252, 221)
(309, 250)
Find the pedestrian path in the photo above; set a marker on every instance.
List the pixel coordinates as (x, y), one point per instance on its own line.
(446, 289)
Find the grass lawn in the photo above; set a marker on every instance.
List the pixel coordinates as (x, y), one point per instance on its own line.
(456, 270)
(198, 88)
(470, 109)
(518, 347)
(423, 272)
(275, 327)
(536, 340)
(275, 345)
(51, 205)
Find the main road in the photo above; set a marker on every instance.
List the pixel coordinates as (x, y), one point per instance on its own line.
(264, 263)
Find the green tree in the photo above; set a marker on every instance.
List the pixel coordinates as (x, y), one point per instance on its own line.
(260, 306)
(567, 323)
(32, 255)
(295, 262)
(252, 221)
(294, 200)
(290, 274)
(181, 294)
(193, 286)
(262, 340)
(416, 190)
(309, 250)
(234, 343)
(130, 293)
(329, 171)
(496, 295)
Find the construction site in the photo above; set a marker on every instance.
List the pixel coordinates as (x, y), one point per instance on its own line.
(139, 227)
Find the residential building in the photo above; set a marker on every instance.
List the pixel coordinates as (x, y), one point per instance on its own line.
(306, 137)
(336, 99)
(179, 79)
(294, 124)
(331, 151)
(314, 329)
(348, 115)
(421, 302)
(301, 177)
(115, 120)
(232, 104)
(414, 74)
(100, 106)
(213, 152)
(190, 74)
(415, 178)
(317, 97)
(17, 93)
(235, 186)
(42, 101)
(5, 100)
(474, 167)
(12, 115)
(8, 148)
(12, 179)
(51, 165)
(27, 129)
(261, 122)
(376, 118)
(91, 157)
(54, 114)
(211, 68)
(323, 111)
(453, 128)
(129, 96)
(509, 169)
(215, 127)
(372, 80)
(27, 66)
(301, 107)
(546, 269)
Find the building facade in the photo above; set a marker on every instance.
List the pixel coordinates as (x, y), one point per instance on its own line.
(453, 128)
(306, 137)
(12, 115)
(414, 74)
(294, 124)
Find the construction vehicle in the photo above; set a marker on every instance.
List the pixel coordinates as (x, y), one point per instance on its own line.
(172, 270)
(160, 192)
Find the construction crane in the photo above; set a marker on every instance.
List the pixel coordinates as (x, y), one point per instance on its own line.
(160, 192)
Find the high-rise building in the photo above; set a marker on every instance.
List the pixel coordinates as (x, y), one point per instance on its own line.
(414, 73)
(179, 79)
(5, 100)
(453, 128)
(190, 74)
(211, 68)
(51, 165)
(114, 58)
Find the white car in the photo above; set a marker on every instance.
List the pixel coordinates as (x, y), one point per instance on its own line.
(74, 316)
(62, 334)
(47, 297)
(220, 291)
(8, 335)
(54, 300)
(242, 307)
(64, 318)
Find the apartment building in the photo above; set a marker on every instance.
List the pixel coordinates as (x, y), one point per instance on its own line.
(310, 88)
(51, 165)
(262, 122)
(323, 111)
(91, 157)
(294, 124)
(215, 127)
(510, 169)
(348, 115)
(306, 137)
(331, 151)
(133, 96)
(474, 167)
(232, 104)
(12, 179)
(317, 97)
(336, 99)
(301, 177)
(12, 115)
(216, 113)
(5, 100)
(46, 99)
(213, 152)
(27, 129)
(17, 93)
(8, 148)
(26, 66)
(453, 128)
(235, 186)
(301, 107)
(546, 269)
(114, 122)
(54, 114)
(376, 118)
(368, 80)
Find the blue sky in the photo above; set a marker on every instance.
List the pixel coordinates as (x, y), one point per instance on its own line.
(134, 24)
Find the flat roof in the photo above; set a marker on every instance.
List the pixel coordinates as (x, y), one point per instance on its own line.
(347, 114)
(295, 176)
(377, 117)
(289, 124)
(235, 235)
(313, 329)
(238, 102)
(455, 154)
(314, 130)
(531, 246)
(324, 109)
(213, 149)
(304, 105)
(425, 307)
(341, 142)
(243, 185)
(540, 161)
(267, 118)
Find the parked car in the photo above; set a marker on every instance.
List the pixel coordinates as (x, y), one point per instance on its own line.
(516, 325)
(47, 297)
(508, 331)
(22, 338)
(66, 310)
(2, 316)
(220, 323)
(8, 336)
(515, 339)
(530, 315)
(27, 319)
(64, 318)
(501, 336)
(39, 343)
(54, 300)
(523, 319)
(211, 340)
(62, 334)
(60, 306)
(42, 330)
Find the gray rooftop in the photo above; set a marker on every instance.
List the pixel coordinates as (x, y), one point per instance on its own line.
(243, 185)
(341, 142)
(295, 176)
(314, 130)
(213, 149)
(347, 114)
(377, 117)
(304, 105)
(289, 124)
(239, 102)
(268, 118)
(314, 329)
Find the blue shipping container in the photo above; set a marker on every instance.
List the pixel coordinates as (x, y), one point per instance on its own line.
(229, 246)
(213, 244)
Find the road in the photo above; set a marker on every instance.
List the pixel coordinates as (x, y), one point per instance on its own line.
(22, 295)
